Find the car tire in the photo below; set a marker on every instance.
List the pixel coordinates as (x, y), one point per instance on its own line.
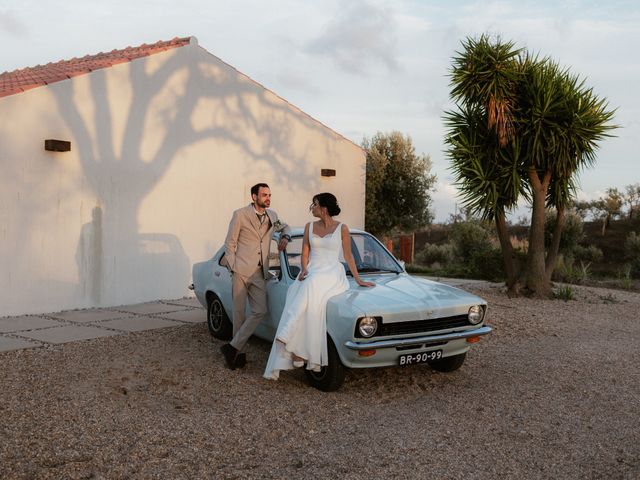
(447, 364)
(330, 377)
(217, 320)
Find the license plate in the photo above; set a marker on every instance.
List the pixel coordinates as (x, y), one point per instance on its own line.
(414, 358)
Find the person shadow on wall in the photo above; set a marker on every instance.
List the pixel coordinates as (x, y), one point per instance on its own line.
(89, 258)
(158, 256)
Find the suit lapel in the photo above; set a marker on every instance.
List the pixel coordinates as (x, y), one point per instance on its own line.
(270, 217)
(253, 218)
(255, 222)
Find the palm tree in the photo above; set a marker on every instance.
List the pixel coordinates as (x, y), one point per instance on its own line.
(524, 130)
(487, 176)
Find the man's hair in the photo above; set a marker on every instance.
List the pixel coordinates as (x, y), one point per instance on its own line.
(256, 188)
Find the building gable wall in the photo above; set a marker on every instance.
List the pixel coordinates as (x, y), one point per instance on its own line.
(163, 149)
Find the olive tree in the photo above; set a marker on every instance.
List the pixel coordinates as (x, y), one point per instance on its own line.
(632, 199)
(398, 185)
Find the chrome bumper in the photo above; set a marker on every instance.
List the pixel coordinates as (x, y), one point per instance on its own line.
(427, 339)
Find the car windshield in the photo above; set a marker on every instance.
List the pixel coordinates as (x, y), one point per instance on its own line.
(369, 254)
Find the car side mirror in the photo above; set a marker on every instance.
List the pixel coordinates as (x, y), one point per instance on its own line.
(402, 264)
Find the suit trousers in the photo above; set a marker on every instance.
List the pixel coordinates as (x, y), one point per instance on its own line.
(254, 288)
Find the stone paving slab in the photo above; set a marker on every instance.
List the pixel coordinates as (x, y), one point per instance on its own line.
(7, 344)
(149, 308)
(68, 333)
(138, 324)
(196, 315)
(27, 322)
(187, 302)
(86, 316)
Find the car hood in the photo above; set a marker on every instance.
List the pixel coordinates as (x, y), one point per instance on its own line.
(403, 297)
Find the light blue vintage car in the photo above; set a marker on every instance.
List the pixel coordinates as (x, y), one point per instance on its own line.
(403, 320)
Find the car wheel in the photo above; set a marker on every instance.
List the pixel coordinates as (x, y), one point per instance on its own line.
(217, 320)
(447, 364)
(331, 377)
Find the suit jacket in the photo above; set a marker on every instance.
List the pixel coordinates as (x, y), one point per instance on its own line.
(248, 243)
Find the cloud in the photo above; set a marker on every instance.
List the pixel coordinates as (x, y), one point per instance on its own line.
(445, 201)
(359, 36)
(412, 24)
(9, 23)
(293, 80)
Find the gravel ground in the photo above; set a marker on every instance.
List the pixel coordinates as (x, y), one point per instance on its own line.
(554, 392)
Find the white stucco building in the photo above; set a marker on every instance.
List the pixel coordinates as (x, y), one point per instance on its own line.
(165, 142)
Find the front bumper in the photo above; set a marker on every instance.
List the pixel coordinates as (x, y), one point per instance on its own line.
(424, 340)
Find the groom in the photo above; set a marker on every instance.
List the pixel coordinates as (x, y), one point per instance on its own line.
(247, 257)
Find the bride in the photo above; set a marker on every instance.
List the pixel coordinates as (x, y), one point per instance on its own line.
(302, 334)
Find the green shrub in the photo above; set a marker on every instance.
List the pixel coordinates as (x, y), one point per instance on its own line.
(587, 254)
(469, 239)
(420, 269)
(632, 246)
(488, 265)
(632, 253)
(450, 271)
(568, 271)
(432, 253)
(474, 250)
(564, 293)
(572, 233)
(626, 280)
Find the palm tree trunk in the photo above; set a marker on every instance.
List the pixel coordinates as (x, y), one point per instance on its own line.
(511, 266)
(536, 280)
(552, 254)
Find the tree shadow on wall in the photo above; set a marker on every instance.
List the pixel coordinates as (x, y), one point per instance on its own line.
(118, 264)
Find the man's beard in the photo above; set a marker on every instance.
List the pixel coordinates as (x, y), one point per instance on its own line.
(262, 204)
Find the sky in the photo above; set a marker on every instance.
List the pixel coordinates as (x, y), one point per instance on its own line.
(363, 66)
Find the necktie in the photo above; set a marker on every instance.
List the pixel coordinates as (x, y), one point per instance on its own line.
(261, 217)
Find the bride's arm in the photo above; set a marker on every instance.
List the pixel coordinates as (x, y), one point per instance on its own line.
(348, 256)
(304, 259)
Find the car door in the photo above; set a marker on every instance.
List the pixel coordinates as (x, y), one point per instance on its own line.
(277, 286)
(222, 285)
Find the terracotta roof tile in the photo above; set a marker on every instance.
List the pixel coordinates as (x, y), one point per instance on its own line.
(32, 77)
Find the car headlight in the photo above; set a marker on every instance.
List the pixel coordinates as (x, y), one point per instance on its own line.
(367, 326)
(476, 314)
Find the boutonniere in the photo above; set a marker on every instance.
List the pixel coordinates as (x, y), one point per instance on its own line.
(278, 226)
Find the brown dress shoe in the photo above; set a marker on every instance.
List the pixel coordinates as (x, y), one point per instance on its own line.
(230, 354)
(241, 360)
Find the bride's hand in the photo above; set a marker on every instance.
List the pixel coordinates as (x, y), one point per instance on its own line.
(362, 283)
(303, 275)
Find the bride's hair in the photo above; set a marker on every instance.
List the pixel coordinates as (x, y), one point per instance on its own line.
(329, 201)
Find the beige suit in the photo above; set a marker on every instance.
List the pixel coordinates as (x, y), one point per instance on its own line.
(246, 255)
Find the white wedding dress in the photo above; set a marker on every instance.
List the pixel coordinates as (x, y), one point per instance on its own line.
(302, 329)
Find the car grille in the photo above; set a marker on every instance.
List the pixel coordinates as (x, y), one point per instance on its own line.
(420, 326)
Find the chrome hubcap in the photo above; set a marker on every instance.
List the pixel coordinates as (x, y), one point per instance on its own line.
(215, 315)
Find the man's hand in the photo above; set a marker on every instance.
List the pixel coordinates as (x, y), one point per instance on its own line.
(303, 274)
(282, 244)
